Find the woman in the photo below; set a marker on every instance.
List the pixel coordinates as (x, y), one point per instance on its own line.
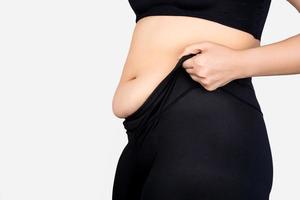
(195, 128)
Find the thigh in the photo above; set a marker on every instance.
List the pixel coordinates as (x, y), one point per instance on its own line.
(128, 178)
(179, 182)
(210, 146)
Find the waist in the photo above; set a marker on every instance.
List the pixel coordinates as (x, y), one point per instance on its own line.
(158, 40)
(156, 43)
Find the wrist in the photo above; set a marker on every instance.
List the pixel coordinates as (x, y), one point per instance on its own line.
(243, 64)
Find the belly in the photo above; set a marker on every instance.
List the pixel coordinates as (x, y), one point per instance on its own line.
(155, 45)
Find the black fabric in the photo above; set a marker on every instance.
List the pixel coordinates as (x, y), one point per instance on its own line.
(188, 143)
(246, 15)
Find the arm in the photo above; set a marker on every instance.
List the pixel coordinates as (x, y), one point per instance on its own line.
(295, 3)
(280, 58)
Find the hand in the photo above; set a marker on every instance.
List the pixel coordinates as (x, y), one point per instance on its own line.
(214, 65)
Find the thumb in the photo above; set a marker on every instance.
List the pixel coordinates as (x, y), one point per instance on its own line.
(194, 48)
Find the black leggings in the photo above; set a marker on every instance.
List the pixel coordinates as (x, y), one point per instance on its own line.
(188, 143)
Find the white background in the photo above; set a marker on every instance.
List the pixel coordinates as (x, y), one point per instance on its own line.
(60, 62)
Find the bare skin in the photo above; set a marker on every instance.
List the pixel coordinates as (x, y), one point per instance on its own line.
(224, 54)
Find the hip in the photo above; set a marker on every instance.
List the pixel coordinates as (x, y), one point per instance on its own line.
(216, 135)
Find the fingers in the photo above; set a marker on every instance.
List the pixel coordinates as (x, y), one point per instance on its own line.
(194, 75)
(188, 64)
(206, 83)
(195, 78)
(195, 48)
(192, 67)
(190, 70)
(189, 50)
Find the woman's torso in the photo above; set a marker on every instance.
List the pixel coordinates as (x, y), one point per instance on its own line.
(156, 43)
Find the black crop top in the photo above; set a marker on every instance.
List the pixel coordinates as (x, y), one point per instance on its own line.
(246, 15)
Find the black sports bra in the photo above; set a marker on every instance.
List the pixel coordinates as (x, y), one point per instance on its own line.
(246, 15)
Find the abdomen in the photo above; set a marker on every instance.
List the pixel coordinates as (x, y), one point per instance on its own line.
(156, 43)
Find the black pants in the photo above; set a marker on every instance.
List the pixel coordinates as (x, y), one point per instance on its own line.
(188, 143)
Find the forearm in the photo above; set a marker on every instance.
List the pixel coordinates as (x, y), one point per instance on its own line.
(279, 58)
